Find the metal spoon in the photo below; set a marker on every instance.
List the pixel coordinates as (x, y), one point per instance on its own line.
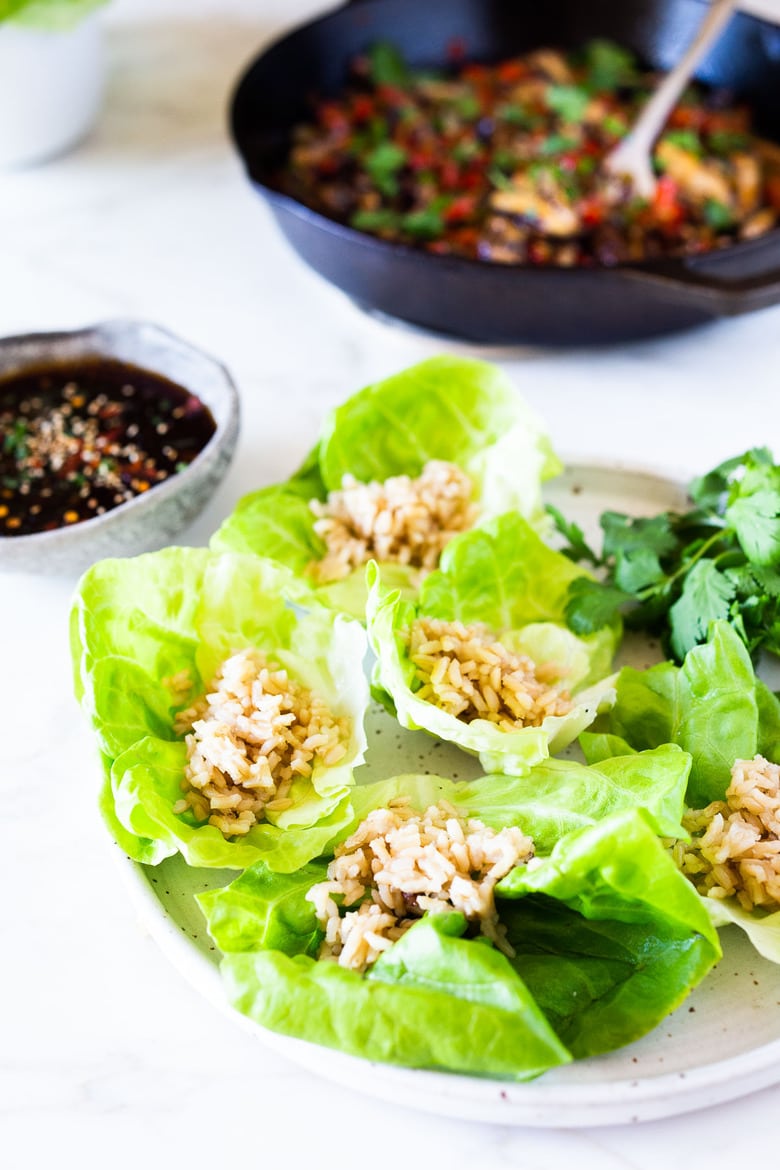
(632, 158)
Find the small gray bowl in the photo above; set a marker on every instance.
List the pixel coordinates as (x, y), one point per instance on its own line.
(151, 520)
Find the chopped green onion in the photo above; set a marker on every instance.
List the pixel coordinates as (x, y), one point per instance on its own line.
(687, 140)
(387, 66)
(569, 101)
(718, 215)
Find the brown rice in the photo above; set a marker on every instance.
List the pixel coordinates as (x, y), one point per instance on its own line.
(399, 864)
(405, 520)
(250, 735)
(735, 846)
(467, 672)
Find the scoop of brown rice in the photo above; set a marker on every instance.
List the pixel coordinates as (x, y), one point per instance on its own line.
(400, 864)
(735, 846)
(250, 735)
(405, 520)
(467, 671)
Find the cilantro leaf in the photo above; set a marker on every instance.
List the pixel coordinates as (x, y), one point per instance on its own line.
(683, 570)
(709, 491)
(624, 534)
(609, 66)
(387, 66)
(687, 140)
(428, 222)
(718, 215)
(577, 548)
(569, 101)
(555, 144)
(638, 568)
(706, 597)
(375, 221)
(591, 605)
(383, 164)
(756, 521)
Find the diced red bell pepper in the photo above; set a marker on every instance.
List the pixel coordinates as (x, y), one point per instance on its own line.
(333, 116)
(667, 208)
(449, 175)
(511, 71)
(475, 73)
(687, 118)
(473, 179)
(363, 108)
(421, 159)
(592, 210)
(391, 95)
(461, 208)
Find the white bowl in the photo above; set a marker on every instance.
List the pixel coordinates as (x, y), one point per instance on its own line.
(51, 84)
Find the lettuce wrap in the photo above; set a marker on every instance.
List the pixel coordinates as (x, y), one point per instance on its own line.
(136, 625)
(506, 578)
(717, 709)
(454, 409)
(608, 938)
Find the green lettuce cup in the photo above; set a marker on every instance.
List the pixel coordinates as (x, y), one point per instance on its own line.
(716, 708)
(506, 580)
(148, 636)
(447, 411)
(599, 939)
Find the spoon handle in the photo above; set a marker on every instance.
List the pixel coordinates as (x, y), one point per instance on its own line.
(633, 156)
(659, 107)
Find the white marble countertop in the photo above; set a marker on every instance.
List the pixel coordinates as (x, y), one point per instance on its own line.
(106, 1055)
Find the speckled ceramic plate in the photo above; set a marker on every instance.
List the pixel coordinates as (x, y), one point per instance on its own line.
(723, 1042)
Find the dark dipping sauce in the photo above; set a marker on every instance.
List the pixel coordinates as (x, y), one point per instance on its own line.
(80, 438)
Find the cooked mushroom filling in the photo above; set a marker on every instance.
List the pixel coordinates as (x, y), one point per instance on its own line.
(468, 673)
(405, 520)
(250, 736)
(400, 864)
(735, 846)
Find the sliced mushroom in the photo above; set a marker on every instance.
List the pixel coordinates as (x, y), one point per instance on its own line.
(697, 179)
(747, 180)
(758, 224)
(552, 64)
(543, 203)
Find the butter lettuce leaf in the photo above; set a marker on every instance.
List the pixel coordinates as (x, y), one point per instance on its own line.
(555, 798)
(447, 408)
(608, 937)
(48, 15)
(761, 927)
(717, 709)
(502, 575)
(138, 623)
(713, 706)
(437, 1001)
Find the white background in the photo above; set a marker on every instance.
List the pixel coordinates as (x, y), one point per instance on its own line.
(106, 1056)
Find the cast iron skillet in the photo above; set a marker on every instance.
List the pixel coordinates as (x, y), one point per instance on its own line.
(494, 303)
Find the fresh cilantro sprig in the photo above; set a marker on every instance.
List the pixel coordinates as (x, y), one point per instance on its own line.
(675, 573)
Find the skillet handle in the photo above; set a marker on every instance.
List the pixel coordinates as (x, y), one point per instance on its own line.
(750, 271)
